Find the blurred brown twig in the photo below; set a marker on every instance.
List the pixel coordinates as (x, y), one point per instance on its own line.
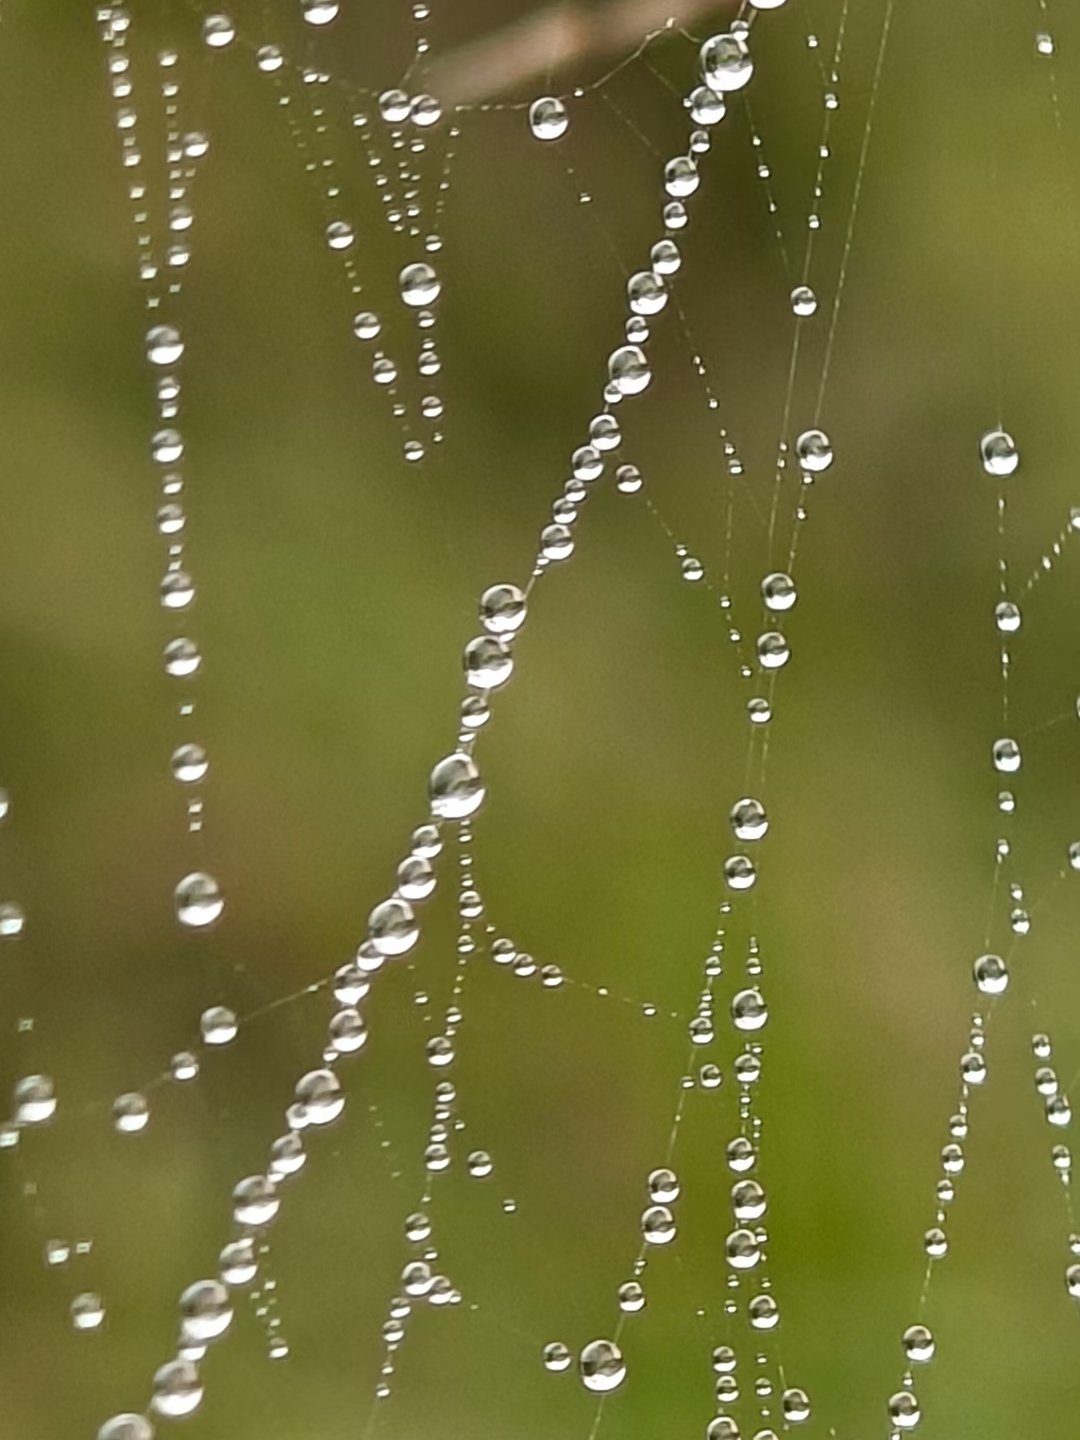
(551, 39)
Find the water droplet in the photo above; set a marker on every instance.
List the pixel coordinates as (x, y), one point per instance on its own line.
(803, 300)
(748, 819)
(904, 1410)
(131, 1113)
(919, 1344)
(205, 1312)
(34, 1100)
(991, 974)
(548, 119)
(164, 345)
(725, 63)
(999, 453)
(556, 1357)
(748, 1010)
(199, 901)
(218, 1025)
(320, 1097)
(455, 787)
(778, 591)
(628, 369)
(601, 1366)
(814, 449)
(419, 284)
(178, 1390)
(320, 12)
(87, 1311)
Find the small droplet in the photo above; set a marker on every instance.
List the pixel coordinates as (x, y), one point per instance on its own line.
(999, 453)
(199, 901)
(548, 119)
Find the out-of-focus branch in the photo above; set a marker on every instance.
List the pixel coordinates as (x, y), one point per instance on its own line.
(561, 35)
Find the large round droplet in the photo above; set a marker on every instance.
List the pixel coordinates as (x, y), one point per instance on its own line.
(164, 345)
(748, 819)
(548, 119)
(919, 1344)
(199, 901)
(255, 1202)
(320, 1095)
(748, 1010)
(991, 974)
(87, 1311)
(502, 609)
(126, 1427)
(488, 662)
(814, 449)
(177, 1390)
(602, 1366)
(320, 12)
(205, 1312)
(904, 1410)
(34, 1100)
(419, 284)
(999, 453)
(778, 591)
(658, 1225)
(392, 927)
(455, 787)
(725, 63)
(628, 369)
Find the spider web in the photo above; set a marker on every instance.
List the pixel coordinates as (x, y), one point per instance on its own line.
(579, 1012)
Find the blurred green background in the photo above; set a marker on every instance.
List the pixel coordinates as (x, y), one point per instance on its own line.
(337, 586)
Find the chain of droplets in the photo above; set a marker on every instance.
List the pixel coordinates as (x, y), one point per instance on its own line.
(456, 792)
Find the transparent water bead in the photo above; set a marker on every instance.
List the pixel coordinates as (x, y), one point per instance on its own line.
(628, 479)
(723, 1427)
(1007, 617)
(991, 974)
(183, 1066)
(392, 927)
(12, 919)
(631, 1297)
(646, 293)
(748, 1010)
(87, 1311)
(1074, 855)
(487, 662)
(628, 369)
(218, 1025)
(164, 345)
(255, 1202)
(319, 12)
(773, 650)
(681, 177)
(34, 1100)
(748, 1200)
(340, 235)
(556, 1357)
(999, 453)
(548, 119)
(199, 901)
(1006, 756)
(1044, 43)
(182, 658)
(189, 764)
(218, 31)
(725, 63)
(778, 591)
(205, 1312)
(178, 1390)
(601, 1366)
(814, 450)
(131, 1113)
(425, 111)
(502, 609)
(663, 1186)
(320, 1097)
(742, 1249)
(740, 872)
(904, 1410)
(419, 284)
(1072, 1281)
(795, 1404)
(127, 1426)
(763, 1312)
(748, 819)
(238, 1261)
(177, 590)
(167, 446)
(658, 1225)
(803, 301)
(919, 1344)
(706, 106)
(455, 787)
